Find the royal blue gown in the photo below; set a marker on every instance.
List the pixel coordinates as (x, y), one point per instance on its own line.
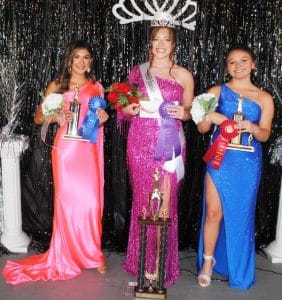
(237, 182)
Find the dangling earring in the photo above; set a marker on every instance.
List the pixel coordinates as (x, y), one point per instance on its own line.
(88, 70)
(226, 76)
(70, 70)
(254, 72)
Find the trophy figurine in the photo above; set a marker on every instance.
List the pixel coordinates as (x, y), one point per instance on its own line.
(156, 199)
(235, 143)
(72, 129)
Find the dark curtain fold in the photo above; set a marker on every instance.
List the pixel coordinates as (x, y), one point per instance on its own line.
(35, 32)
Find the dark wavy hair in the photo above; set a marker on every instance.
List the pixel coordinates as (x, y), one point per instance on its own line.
(64, 72)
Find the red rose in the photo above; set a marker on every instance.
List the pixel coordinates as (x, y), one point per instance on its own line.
(132, 99)
(117, 106)
(113, 96)
(123, 88)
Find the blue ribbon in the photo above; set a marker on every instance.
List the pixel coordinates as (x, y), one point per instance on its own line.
(168, 139)
(90, 125)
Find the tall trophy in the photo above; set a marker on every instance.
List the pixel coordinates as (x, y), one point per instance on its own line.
(72, 129)
(154, 288)
(236, 142)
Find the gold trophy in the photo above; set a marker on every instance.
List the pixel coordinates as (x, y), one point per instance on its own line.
(154, 289)
(72, 129)
(156, 199)
(235, 143)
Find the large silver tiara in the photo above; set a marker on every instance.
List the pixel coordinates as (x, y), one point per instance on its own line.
(159, 15)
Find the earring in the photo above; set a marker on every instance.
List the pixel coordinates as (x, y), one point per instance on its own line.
(69, 69)
(255, 71)
(226, 76)
(88, 70)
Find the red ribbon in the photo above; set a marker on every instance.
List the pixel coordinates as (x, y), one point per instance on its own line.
(217, 150)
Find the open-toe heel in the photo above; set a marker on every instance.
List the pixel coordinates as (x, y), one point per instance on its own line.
(206, 277)
(102, 270)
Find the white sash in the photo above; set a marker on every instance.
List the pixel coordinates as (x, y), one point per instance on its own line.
(150, 108)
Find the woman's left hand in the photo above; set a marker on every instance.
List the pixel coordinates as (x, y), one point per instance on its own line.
(177, 112)
(102, 116)
(247, 126)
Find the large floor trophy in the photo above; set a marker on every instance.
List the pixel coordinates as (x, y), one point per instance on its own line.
(235, 143)
(155, 289)
(72, 129)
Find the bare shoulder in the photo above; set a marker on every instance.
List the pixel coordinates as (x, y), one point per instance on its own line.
(52, 87)
(183, 75)
(215, 90)
(265, 99)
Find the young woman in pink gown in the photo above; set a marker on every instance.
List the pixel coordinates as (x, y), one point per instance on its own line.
(78, 180)
(175, 84)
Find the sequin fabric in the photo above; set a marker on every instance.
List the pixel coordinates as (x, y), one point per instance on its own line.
(142, 140)
(237, 183)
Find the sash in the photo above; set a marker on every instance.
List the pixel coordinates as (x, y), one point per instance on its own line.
(169, 142)
(150, 108)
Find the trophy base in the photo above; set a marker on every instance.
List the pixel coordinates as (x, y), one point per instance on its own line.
(150, 293)
(74, 138)
(239, 147)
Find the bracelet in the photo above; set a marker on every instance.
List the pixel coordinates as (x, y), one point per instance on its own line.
(187, 107)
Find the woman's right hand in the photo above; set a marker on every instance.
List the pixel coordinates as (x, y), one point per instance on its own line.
(131, 109)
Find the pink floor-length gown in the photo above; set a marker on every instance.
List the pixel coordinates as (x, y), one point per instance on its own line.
(78, 207)
(142, 141)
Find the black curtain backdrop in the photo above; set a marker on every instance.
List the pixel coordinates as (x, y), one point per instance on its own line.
(34, 33)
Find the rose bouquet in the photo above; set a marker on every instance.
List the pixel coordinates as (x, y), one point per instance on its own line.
(52, 105)
(122, 94)
(202, 105)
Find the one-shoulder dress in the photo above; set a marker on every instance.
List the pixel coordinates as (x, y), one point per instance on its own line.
(142, 141)
(237, 182)
(77, 226)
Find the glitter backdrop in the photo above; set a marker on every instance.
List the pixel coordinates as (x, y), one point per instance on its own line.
(35, 32)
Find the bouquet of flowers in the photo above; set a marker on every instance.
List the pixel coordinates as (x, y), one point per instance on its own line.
(122, 94)
(202, 105)
(52, 104)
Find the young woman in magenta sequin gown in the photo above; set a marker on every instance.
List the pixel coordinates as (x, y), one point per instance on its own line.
(78, 180)
(227, 241)
(176, 84)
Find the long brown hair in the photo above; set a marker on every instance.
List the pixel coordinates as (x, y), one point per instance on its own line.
(152, 34)
(64, 72)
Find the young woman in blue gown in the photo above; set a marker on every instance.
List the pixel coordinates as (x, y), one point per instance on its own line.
(227, 240)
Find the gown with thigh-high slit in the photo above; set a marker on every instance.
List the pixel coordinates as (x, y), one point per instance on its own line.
(237, 182)
(78, 207)
(142, 141)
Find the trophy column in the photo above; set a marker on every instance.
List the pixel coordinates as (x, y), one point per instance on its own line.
(72, 129)
(149, 291)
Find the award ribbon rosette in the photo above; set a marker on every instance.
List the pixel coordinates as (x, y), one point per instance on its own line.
(90, 125)
(217, 150)
(168, 139)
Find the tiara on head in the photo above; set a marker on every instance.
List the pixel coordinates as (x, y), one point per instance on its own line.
(159, 15)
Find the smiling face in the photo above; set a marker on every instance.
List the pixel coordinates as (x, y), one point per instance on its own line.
(240, 63)
(162, 42)
(81, 61)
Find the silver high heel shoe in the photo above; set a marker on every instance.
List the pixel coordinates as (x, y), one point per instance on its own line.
(206, 277)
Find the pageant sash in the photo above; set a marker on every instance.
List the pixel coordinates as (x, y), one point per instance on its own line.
(170, 141)
(150, 108)
(90, 125)
(217, 150)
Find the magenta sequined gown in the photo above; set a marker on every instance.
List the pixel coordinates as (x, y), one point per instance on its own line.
(142, 140)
